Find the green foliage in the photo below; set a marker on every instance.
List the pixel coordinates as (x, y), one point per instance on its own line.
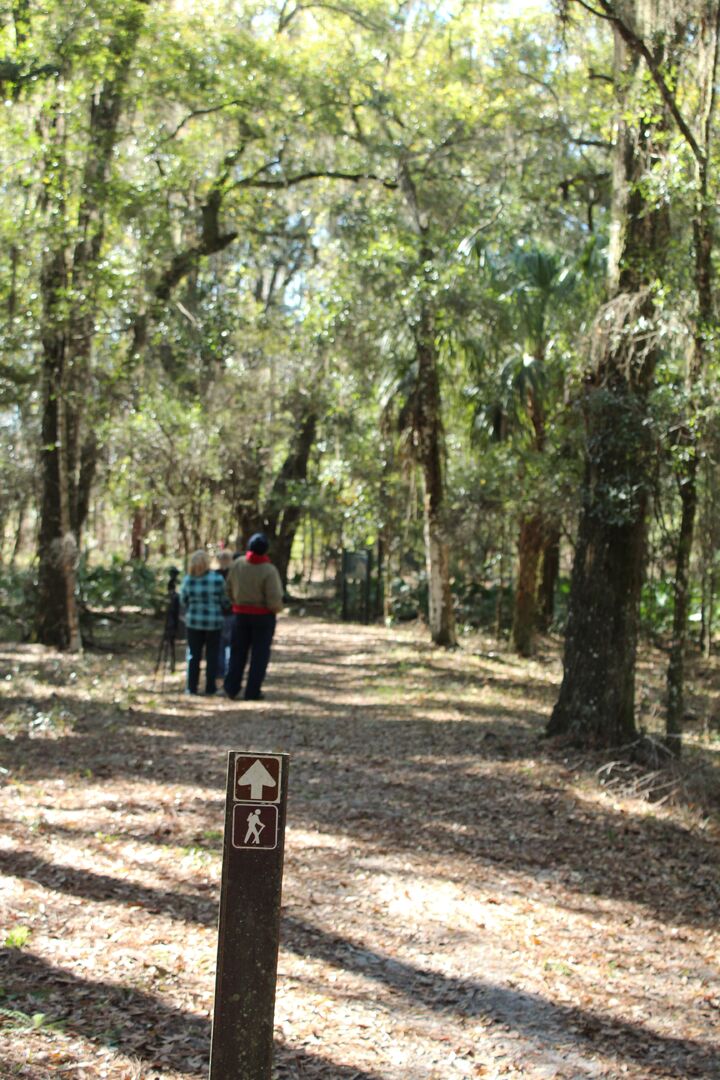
(656, 606)
(18, 586)
(16, 1020)
(118, 584)
(477, 605)
(407, 600)
(17, 937)
(291, 192)
(122, 584)
(482, 606)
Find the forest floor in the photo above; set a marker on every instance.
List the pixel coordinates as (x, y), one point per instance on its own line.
(462, 898)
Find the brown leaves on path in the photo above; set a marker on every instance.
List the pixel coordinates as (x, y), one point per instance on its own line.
(461, 899)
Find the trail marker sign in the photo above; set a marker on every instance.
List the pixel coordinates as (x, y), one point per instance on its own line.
(255, 826)
(249, 925)
(257, 777)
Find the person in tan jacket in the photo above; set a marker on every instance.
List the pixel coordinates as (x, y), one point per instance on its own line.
(256, 595)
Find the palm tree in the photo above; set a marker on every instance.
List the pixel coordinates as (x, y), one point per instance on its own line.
(533, 284)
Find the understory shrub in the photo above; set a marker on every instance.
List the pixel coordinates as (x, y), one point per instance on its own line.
(122, 584)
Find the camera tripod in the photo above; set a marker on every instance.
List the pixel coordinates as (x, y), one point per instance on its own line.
(165, 660)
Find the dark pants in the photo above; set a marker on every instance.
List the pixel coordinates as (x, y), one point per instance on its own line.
(196, 640)
(252, 634)
(223, 658)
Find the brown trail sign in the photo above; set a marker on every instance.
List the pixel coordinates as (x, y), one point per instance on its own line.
(249, 927)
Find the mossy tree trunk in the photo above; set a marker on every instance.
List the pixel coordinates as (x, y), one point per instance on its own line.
(596, 704)
(705, 330)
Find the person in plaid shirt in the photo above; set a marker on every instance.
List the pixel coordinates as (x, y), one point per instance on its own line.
(204, 600)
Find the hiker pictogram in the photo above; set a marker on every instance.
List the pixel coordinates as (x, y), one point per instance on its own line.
(255, 826)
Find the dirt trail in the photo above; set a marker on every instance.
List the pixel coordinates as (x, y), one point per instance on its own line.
(460, 899)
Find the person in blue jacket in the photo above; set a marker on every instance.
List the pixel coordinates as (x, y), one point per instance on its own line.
(204, 601)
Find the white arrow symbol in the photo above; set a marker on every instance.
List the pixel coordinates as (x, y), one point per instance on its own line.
(256, 778)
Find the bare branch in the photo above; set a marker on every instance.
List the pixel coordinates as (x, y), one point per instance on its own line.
(601, 76)
(603, 144)
(195, 114)
(539, 82)
(257, 181)
(287, 16)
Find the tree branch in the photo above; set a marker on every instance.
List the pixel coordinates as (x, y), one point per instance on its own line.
(638, 46)
(213, 240)
(603, 144)
(312, 174)
(601, 76)
(195, 114)
(287, 16)
(340, 9)
(11, 72)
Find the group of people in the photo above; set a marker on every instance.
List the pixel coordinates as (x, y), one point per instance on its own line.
(230, 616)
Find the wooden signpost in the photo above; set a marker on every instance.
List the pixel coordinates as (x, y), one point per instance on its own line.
(249, 928)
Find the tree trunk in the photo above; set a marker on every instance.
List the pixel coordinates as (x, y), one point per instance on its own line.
(56, 620)
(428, 429)
(86, 477)
(596, 704)
(137, 534)
(429, 450)
(705, 330)
(69, 295)
(19, 531)
(549, 578)
(52, 617)
(657, 36)
(248, 520)
(184, 535)
(283, 541)
(379, 579)
(530, 544)
(597, 697)
(69, 547)
(530, 541)
(500, 598)
(247, 485)
(676, 664)
(311, 569)
(708, 603)
(286, 502)
(709, 533)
